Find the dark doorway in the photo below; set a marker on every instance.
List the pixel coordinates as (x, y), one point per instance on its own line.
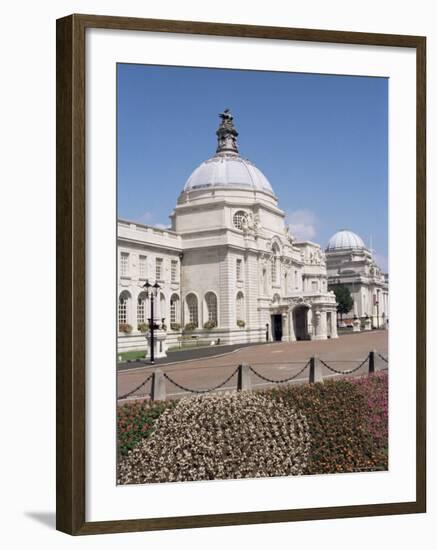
(300, 320)
(277, 327)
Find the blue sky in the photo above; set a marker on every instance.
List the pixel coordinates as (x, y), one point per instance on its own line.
(321, 140)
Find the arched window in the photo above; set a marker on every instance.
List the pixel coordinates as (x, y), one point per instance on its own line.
(274, 264)
(240, 307)
(162, 306)
(240, 219)
(174, 309)
(141, 308)
(276, 298)
(123, 308)
(264, 281)
(192, 307)
(211, 307)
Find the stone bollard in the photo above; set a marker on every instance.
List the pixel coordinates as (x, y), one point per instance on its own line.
(244, 379)
(372, 361)
(356, 325)
(316, 374)
(158, 386)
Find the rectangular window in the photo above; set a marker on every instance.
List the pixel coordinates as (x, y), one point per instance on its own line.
(274, 271)
(174, 271)
(158, 273)
(314, 286)
(172, 311)
(143, 267)
(141, 317)
(239, 270)
(124, 264)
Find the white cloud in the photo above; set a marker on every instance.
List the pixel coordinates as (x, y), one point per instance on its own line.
(302, 224)
(146, 217)
(162, 225)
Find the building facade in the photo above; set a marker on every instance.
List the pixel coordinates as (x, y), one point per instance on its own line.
(228, 268)
(351, 263)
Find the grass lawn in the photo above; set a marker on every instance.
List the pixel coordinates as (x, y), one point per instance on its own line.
(132, 355)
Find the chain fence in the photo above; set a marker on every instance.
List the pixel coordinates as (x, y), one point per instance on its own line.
(191, 390)
(283, 379)
(241, 385)
(349, 371)
(143, 383)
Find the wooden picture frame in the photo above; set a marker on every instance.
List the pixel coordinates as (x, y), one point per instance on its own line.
(71, 254)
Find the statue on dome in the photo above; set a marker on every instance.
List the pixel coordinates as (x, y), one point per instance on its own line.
(227, 134)
(226, 117)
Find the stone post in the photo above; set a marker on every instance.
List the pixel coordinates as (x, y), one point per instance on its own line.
(158, 386)
(372, 362)
(316, 374)
(356, 325)
(244, 380)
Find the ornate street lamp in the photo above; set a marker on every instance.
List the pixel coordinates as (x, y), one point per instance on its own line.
(152, 293)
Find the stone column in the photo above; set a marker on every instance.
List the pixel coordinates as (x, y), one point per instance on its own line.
(292, 335)
(324, 326)
(334, 333)
(310, 323)
(285, 328)
(317, 324)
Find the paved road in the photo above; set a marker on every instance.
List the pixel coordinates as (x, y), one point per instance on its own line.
(276, 360)
(185, 355)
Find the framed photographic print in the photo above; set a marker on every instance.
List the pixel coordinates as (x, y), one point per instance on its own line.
(240, 259)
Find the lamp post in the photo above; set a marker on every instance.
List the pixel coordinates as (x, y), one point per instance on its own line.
(152, 293)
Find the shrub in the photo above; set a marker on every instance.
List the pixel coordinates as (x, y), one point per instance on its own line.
(241, 323)
(143, 327)
(347, 435)
(374, 389)
(125, 327)
(209, 325)
(221, 436)
(175, 326)
(136, 420)
(189, 327)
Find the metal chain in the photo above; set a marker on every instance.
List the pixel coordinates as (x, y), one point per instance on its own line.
(190, 390)
(279, 381)
(382, 357)
(350, 371)
(137, 388)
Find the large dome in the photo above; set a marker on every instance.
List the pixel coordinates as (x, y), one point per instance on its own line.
(227, 168)
(345, 239)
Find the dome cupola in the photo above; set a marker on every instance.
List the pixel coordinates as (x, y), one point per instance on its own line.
(227, 168)
(345, 240)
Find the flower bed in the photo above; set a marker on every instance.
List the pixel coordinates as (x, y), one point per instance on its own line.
(348, 422)
(136, 421)
(221, 436)
(338, 426)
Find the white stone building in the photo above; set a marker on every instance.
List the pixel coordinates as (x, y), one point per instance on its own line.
(228, 268)
(351, 264)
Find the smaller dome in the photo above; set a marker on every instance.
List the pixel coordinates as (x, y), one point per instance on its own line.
(345, 239)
